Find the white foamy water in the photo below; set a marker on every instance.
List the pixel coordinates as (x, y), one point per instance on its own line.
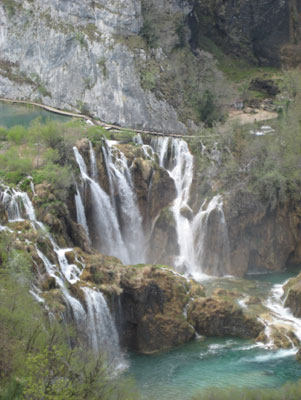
(193, 233)
(280, 314)
(19, 207)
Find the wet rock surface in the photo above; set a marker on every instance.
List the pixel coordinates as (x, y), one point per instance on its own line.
(293, 295)
(216, 317)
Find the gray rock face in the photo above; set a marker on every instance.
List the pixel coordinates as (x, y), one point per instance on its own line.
(255, 29)
(71, 54)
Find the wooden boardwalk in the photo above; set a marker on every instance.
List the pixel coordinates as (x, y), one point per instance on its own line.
(96, 122)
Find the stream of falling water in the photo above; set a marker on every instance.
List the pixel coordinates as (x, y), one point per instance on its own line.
(196, 256)
(105, 338)
(118, 224)
(281, 315)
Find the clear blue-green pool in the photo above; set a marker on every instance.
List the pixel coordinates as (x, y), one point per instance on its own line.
(180, 373)
(20, 114)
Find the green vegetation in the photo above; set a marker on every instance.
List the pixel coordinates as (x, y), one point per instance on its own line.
(35, 361)
(189, 82)
(267, 165)
(271, 162)
(290, 391)
(98, 133)
(42, 150)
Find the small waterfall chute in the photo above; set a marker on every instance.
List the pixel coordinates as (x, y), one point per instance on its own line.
(281, 316)
(211, 241)
(93, 165)
(80, 212)
(103, 334)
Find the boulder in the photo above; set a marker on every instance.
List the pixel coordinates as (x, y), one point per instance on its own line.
(266, 86)
(215, 317)
(293, 296)
(153, 302)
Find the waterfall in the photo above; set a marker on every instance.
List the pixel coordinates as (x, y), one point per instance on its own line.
(120, 180)
(106, 226)
(280, 315)
(103, 334)
(116, 221)
(118, 227)
(80, 212)
(12, 203)
(175, 156)
(203, 240)
(147, 150)
(93, 165)
(104, 337)
(76, 307)
(211, 242)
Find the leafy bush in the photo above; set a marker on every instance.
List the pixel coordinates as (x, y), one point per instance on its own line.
(59, 177)
(290, 391)
(35, 361)
(17, 134)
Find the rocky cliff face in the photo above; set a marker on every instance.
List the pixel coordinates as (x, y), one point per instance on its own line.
(264, 31)
(74, 55)
(262, 239)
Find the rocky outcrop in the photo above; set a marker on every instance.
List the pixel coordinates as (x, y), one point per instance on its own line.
(293, 295)
(153, 303)
(59, 217)
(217, 317)
(149, 180)
(151, 300)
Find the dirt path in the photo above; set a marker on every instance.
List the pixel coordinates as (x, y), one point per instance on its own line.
(86, 118)
(246, 118)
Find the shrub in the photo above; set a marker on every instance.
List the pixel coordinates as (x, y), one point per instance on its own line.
(17, 134)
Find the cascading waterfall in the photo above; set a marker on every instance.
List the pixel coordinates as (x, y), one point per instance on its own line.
(106, 224)
(120, 180)
(19, 207)
(117, 221)
(118, 227)
(196, 254)
(12, 201)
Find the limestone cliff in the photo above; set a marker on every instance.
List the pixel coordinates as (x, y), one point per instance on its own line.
(73, 55)
(138, 63)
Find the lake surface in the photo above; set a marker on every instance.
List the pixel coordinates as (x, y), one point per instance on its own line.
(21, 114)
(180, 373)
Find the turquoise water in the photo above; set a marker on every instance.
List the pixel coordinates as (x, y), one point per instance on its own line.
(20, 114)
(180, 373)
